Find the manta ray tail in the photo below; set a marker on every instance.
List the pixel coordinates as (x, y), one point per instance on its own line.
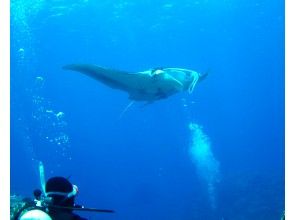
(126, 109)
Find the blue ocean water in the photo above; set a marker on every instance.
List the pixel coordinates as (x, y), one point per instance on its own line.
(215, 154)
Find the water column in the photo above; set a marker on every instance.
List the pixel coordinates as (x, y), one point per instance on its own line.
(206, 164)
(42, 128)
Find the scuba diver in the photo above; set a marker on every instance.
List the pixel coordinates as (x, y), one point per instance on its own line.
(56, 202)
(62, 194)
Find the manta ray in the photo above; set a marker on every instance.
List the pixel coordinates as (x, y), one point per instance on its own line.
(149, 85)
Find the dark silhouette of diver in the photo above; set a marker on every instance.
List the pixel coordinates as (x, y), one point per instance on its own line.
(62, 193)
(58, 203)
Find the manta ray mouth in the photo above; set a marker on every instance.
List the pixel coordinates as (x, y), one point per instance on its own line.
(193, 83)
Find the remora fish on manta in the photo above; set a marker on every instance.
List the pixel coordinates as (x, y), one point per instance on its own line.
(149, 85)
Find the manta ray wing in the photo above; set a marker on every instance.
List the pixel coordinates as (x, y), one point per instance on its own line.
(141, 86)
(113, 78)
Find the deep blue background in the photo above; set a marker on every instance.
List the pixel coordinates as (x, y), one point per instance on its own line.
(140, 165)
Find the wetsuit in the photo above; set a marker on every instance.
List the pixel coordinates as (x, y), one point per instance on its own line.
(64, 215)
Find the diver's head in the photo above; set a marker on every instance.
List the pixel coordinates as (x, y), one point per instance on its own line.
(37, 194)
(61, 191)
